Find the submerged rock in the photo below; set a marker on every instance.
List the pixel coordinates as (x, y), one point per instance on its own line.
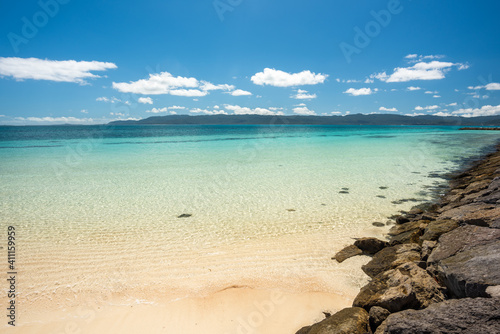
(479, 315)
(184, 215)
(346, 253)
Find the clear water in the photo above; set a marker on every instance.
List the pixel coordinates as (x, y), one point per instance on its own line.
(97, 207)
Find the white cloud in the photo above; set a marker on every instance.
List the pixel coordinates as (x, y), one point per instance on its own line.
(451, 104)
(303, 95)
(103, 99)
(413, 88)
(490, 86)
(157, 110)
(487, 110)
(431, 92)
(207, 112)
(411, 56)
(52, 70)
(361, 91)
(240, 92)
(336, 113)
(414, 114)
(442, 114)
(166, 83)
(111, 100)
(176, 107)
(368, 80)
(387, 109)
(279, 78)
(303, 110)
(433, 70)
(56, 120)
(237, 110)
(172, 113)
(433, 107)
(145, 100)
(85, 111)
(436, 96)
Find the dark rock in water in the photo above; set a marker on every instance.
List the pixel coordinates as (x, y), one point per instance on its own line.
(378, 224)
(391, 257)
(290, 210)
(416, 211)
(383, 187)
(462, 238)
(470, 272)
(380, 196)
(370, 245)
(402, 220)
(185, 215)
(466, 316)
(343, 192)
(345, 188)
(349, 320)
(377, 316)
(346, 253)
(406, 286)
(438, 227)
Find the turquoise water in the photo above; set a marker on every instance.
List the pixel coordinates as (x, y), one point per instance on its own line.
(267, 203)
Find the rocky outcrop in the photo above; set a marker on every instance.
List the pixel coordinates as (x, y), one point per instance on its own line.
(370, 245)
(352, 320)
(407, 286)
(480, 315)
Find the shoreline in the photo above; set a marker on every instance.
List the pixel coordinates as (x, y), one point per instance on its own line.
(439, 268)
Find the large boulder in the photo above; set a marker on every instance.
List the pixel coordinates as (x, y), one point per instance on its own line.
(470, 272)
(480, 315)
(352, 320)
(391, 257)
(407, 286)
(370, 245)
(462, 238)
(438, 227)
(481, 214)
(377, 316)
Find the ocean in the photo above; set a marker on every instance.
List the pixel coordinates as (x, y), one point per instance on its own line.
(147, 212)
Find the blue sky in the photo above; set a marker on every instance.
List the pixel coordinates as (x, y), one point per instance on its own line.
(69, 61)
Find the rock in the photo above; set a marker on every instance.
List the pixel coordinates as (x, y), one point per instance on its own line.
(416, 211)
(378, 224)
(480, 214)
(462, 238)
(401, 220)
(304, 330)
(352, 320)
(370, 245)
(438, 227)
(412, 236)
(493, 291)
(377, 316)
(407, 286)
(427, 247)
(480, 315)
(470, 272)
(410, 226)
(346, 253)
(391, 257)
(185, 215)
(475, 187)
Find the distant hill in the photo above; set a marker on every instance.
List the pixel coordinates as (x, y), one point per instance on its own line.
(356, 119)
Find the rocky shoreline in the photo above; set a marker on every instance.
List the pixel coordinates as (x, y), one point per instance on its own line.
(439, 271)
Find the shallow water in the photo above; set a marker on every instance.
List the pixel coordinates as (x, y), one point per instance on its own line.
(96, 207)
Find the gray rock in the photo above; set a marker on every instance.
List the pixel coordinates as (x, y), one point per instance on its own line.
(370, 245)
(412, 236)
(470, 272)
(304, 330)
(352, 320)
(391, 257)
(438, 227)
(347, 252)
(377, 316)
(401, 220)
(407, 286)
(427, 247)
(462, 238)
(410, 226)
(480, 214)
(480, 315)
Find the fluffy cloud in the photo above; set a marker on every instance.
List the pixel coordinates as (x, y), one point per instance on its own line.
(145, 100)
(207, 112)
(157, 110)
(361, 91)
(176, 107)
(413, 88)
(58, 120)
(303, 95)
(490, 86)
(442, 114)
(487, 110)
(279, 78)
(111, 100)
(433, 70)
(387, 109)
(237, 110)
(433, 107)
(239, 92)
(414, 114)
(166, 83)
(301, 109)
(52, 70)
(431, 92)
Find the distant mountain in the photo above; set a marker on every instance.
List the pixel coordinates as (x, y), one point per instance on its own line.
(356, 119)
